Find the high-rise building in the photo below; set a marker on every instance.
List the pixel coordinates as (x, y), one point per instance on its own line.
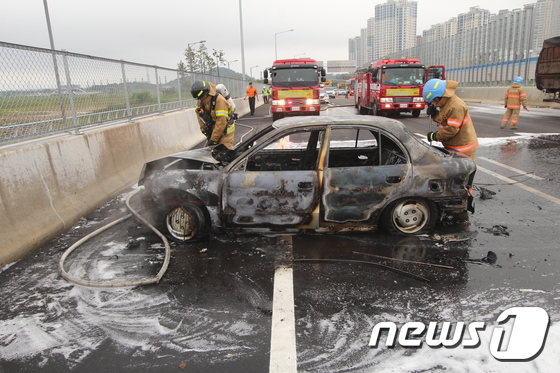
(395, 27)
(440, 31)
(475, 17)
(477, 47)
(547, 20)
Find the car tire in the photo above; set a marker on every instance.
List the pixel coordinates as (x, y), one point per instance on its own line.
(363, 110)
(416, 113)
(185, 222)
(409, 216)
(275, 117)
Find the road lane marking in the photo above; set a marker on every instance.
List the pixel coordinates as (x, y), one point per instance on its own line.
(517, 184)
(511, 168)
(283, 355)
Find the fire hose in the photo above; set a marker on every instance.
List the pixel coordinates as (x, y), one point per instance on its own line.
(107, 284)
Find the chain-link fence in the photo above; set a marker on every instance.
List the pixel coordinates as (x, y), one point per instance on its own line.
(44, 91)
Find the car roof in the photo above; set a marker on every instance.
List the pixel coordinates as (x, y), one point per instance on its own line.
(390, 125)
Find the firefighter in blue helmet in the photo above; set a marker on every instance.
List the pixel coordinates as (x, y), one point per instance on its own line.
(515, 97)
(456, 130)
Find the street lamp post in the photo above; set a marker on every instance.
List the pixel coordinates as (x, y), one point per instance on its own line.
(228, 62)
(241, 32)
(190, 53)
(55, 64)
(275, 44)
(251, 70)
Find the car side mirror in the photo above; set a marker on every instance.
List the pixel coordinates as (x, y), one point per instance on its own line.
(265, 80)
(374, 79)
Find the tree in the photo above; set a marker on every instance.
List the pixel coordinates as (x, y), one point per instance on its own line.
(200, 61)
(182, 68)
(219, 57)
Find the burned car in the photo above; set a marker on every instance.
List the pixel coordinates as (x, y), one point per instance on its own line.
(322, 174)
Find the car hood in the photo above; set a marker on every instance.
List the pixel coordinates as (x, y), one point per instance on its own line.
(202, 155)
(189, 159)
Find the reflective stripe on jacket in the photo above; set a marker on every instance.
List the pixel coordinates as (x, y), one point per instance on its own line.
(456, 128)
(220, 114)
(515, 97)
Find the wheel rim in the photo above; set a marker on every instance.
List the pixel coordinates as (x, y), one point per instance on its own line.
(182, 223)
(410, 216)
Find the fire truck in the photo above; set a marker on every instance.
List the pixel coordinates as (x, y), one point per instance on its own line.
(393, 86)
(295, 87)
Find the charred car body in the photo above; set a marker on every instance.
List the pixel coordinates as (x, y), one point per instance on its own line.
(323, 174)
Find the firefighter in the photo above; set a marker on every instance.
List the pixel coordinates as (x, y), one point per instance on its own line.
(456, 130)
(514, 98)
(213, 112)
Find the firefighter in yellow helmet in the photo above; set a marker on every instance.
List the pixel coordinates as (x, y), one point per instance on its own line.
(456, 129)
(213, 112)
(515, 97)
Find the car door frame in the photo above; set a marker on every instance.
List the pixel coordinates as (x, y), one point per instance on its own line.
(249, 198)
(351, 194)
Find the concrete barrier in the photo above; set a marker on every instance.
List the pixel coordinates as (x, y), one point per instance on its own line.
(496, 95)
(47, 185)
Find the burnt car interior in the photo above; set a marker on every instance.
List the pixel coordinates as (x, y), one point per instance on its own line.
(296, 151)
(361, 147)
(349, 147)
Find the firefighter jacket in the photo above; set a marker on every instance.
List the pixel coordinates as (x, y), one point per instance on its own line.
(456, 130)
(515, 97)
(219, 109)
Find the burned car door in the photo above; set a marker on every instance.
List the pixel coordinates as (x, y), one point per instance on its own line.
(364, 168)
(276, 184)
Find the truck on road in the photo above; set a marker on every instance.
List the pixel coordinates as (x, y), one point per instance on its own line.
(547, 72)
(295, 87)
(393, 86)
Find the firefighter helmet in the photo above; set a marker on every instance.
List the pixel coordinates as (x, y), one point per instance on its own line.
(199, 89)
(434, 88)
(518, 80)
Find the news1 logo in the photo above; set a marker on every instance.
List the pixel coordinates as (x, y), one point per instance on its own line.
(525, 342)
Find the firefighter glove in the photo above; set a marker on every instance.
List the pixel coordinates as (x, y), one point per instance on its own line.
(212, 143)
(431, 136)
(432, 111)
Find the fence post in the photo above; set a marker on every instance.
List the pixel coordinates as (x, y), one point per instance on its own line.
(157, 90)
(179, 88)
(70, 92)
(126, 92)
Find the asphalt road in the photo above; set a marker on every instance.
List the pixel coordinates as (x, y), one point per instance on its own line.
(224, 303)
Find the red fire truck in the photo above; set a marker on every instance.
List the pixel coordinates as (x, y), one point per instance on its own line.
(393, 86)
(295, 87)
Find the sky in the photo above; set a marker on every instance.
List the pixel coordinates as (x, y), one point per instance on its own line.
(158, 32)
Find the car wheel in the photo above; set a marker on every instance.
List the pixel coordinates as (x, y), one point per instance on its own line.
(363, 110)
(416, 113)
(275, 117)
(184, 222)
(409, 216)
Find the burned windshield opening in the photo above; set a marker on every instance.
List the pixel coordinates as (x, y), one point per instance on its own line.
(294, 77)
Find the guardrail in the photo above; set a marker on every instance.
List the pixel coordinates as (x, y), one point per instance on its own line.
(44, 91)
